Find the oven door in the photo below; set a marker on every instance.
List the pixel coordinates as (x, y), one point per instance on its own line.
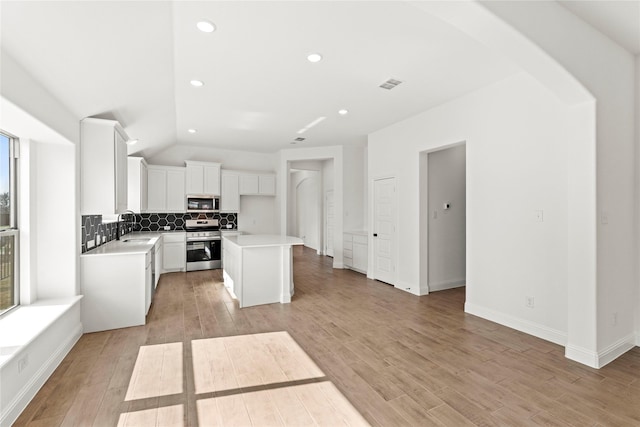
(203, 254)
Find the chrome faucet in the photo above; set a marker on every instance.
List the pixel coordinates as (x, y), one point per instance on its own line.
(120, 216)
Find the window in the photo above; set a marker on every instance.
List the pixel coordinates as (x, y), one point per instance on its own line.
(9, 290)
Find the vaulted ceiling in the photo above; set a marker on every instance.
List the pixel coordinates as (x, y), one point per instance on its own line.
(133, 61)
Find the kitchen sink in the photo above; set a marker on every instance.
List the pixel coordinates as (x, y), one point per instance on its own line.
(139, 240)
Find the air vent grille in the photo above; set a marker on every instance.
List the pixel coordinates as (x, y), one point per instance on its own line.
(390, 84)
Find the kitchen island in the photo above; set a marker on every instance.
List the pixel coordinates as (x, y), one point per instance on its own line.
(258, 268)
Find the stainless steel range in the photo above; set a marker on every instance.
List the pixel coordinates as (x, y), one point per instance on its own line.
(204, 245)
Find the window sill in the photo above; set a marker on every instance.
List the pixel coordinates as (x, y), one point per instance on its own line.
(22, 325)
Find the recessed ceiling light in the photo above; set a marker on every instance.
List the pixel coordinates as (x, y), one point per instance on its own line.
(314, 57)
(131, 141)
(343, 112)
(206, 26)
(197, 83)
(192, 131)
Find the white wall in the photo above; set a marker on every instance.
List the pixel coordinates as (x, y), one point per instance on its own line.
(515, 132)
(608, 73)
(602, 251)
(50, 244)
(56, 251)
(354, 188)
(638, 198)
(258, 215)
(444, 259)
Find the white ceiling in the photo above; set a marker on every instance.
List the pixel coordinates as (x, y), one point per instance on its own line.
(619, 20)
(133, 61)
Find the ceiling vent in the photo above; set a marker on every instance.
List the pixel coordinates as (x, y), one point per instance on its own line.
(390, 84)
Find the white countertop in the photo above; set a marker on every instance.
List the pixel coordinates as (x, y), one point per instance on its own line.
(262, 240)
(122, 247)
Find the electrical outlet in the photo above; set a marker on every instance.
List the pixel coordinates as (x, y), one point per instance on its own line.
(538, 215)
(23, 363)
(529, 302)
(167, 227)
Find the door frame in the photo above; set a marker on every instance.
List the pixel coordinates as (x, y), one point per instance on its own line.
(372, 246)
(424, 215)
(326, 223)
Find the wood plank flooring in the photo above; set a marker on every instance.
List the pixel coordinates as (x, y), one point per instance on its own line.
(398, 359)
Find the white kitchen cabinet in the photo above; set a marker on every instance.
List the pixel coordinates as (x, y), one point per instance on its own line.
(103, 167)
(355, 251)
(115, 291)
(203, 178)
(159, 260)
(148, 283)
(138, 186)
(230, 194)
(174, 252)
(166, 188)
(257, 184)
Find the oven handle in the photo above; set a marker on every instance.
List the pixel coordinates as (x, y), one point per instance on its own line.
(203, 239)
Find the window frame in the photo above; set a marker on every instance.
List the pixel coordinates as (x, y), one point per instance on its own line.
(13, 229)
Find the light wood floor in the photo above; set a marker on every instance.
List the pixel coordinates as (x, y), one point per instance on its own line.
(398, 360)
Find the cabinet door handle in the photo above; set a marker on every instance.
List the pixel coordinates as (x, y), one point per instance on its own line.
(375, 234)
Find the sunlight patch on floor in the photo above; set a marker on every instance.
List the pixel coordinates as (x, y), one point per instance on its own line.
(304, 405)
(158, 372)
(249, 360)
(164, 416)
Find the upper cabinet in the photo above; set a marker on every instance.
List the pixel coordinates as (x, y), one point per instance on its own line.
(230, 195)
(203, 178)
(166, 188)
(137, 179)
(103, 167)
(252, 184)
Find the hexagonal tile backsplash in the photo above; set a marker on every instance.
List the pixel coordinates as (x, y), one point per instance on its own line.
(93, 226)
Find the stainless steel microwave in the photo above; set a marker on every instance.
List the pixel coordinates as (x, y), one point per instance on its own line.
(203, 203)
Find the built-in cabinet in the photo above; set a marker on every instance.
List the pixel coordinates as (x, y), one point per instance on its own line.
(174, 252)
(230, 191)
(166, 188)
(158, 261)
(137, 185)
(203, 178)
(103, 167)
(117, 290)
(257, 184)
(355, 251)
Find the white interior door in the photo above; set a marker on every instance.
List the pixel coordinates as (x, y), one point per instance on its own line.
(329, 218)
(384, 230)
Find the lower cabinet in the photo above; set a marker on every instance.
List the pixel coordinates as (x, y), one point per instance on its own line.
(174, 252)
(355, 251)
(158, 263)
(117, 290)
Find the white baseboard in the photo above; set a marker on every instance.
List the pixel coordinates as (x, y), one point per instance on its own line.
(407, 287)
(581, 355)
(29, 390)
(537, 330)
(616, 350)
(446, 284)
